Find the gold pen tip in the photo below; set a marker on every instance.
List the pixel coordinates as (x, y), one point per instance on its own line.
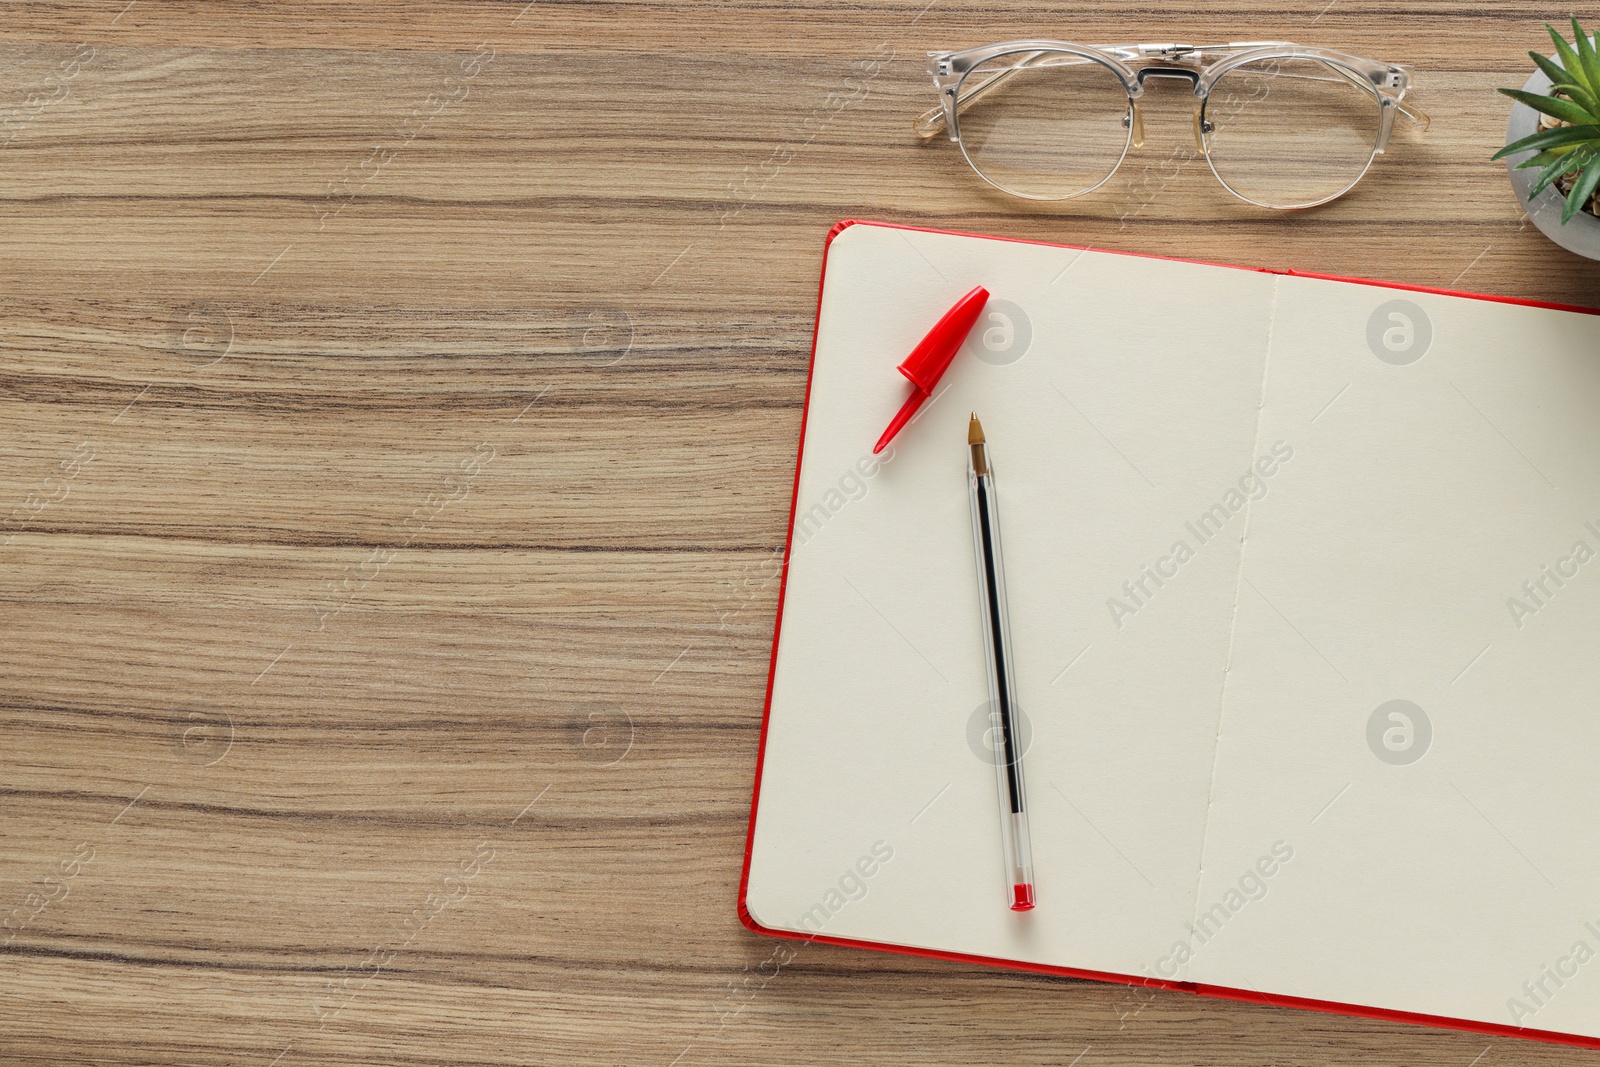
(974, 431)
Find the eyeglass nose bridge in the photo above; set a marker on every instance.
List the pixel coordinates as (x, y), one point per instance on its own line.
(1133, 121)
(1182, 73)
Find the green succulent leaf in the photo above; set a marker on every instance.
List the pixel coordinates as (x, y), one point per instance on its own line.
(1580, 96)
(1562, 135)
(1572, 99)
(1574, 161)
(1582, 190)
(1549, 156)
(1571, 84)
(1586, 55)
(1546, 176)
(1554, 106)
(1570, 61)
(1551, 69)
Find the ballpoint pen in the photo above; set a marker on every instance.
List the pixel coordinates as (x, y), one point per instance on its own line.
(1002, 683)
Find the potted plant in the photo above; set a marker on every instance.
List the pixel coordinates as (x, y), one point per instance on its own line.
(1553, 143)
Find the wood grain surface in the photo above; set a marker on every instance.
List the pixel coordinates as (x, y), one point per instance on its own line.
(398, 406)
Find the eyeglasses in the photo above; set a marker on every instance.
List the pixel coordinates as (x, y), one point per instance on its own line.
(1282, 125)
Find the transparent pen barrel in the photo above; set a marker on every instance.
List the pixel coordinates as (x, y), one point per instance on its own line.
(1005, 740)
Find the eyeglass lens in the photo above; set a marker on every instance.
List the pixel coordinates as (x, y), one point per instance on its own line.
(1052, 127)
(1290, 132)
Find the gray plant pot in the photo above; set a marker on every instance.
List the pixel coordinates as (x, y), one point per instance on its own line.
(1581, 234)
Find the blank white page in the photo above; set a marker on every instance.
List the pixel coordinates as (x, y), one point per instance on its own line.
(1421, 496)
(1131, 410)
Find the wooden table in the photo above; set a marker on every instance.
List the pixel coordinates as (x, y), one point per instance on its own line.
(399, 406)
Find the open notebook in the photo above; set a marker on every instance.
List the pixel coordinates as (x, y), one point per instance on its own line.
(1304, 579)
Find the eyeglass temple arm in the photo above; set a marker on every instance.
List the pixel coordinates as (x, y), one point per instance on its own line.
(932, 120)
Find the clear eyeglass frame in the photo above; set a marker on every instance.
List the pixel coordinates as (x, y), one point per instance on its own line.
(1132, 64)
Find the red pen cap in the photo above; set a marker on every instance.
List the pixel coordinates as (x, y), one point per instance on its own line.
(928, 361)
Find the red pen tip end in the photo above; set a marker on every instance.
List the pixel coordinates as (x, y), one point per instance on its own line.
(1022, 897)
(908, 409)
